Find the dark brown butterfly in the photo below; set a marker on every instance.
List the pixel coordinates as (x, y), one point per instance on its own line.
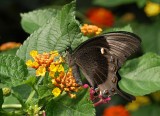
(100, 58)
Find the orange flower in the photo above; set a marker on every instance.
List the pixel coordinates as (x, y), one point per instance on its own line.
(9, 45)
(66, 82)
(51, 62)
(116, 111)
(100, 17)
(90, 30)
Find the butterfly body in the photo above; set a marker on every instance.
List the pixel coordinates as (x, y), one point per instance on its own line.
(100, 58)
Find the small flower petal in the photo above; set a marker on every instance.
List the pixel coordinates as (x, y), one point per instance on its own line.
(41, 71)
(34, 53)
(51, 74)
(56, 92)
(60, 68)
(29, 63)
(35, 65)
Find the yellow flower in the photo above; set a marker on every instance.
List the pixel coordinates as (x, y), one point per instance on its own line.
(41, 71)
(53, 67)
(56, 92)
(34, 53)
(54, 82)
(60, 68)
(51, 74)
(56, 68)
(55, 53)
(152, 9)
(35, 65)
(29, 63)
(140, 101)
(132, 106)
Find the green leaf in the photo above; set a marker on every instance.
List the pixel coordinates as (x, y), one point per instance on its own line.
(10, 100)
(61, 32)
(150, 36)
(44, 91)
(23, 90)
(141, 3)
(141, 76)
(11, 51)
(127, 28)
(156, 1)
(81, 106)
(12, 70)
(148, 110)
(31, 81)
(110, 3)
(33, 20)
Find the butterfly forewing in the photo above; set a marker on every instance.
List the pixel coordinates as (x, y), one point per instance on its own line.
(122, 45)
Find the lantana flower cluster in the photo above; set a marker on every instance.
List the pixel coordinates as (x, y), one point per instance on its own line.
(9, 45)
(53, 63)
(66, 82)
(100, 16)
(90, 30)
(117, 110)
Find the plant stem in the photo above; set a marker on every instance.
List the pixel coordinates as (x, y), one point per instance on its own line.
(15, 106)
(34, 91)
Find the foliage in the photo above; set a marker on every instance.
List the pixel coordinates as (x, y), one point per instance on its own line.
(143, 69)
(57, 29)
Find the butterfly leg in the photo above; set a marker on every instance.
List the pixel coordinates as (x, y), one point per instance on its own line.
(97, 99)
(102, 101)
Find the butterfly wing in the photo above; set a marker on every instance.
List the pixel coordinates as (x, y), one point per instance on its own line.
(100, 58)
(122, 45)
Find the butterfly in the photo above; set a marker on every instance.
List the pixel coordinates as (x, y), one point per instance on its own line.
(99, 60)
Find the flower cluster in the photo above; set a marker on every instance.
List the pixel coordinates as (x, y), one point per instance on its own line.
(9, 45)
(45, 62)
(140, 101)
(152, 9)
(65, 82)
(100, 17)
(90, 30)
(118, 110)
(53, 63)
